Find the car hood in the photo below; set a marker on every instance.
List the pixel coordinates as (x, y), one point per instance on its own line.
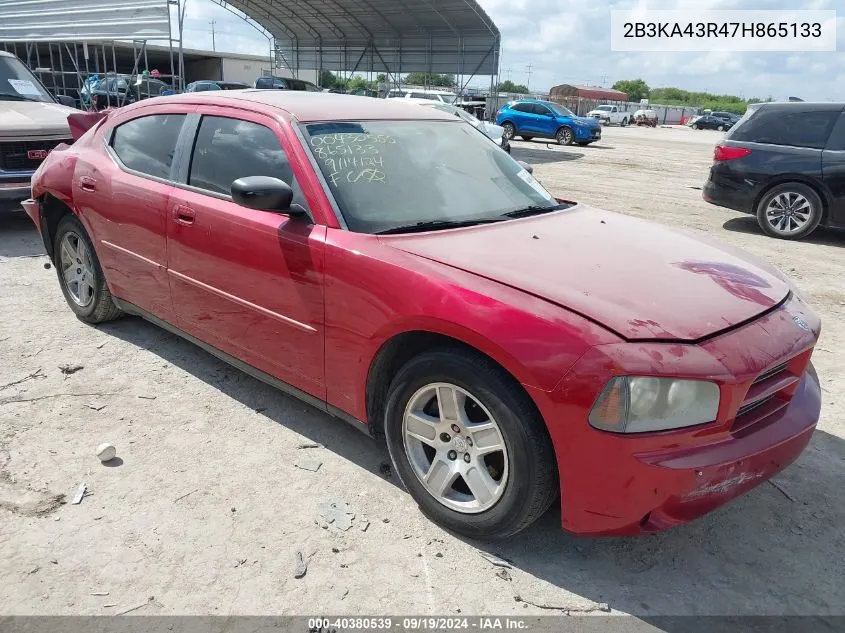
(492, 130)
(638, 279)
(28, 118)
(589, 121)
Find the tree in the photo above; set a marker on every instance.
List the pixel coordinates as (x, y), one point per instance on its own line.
(430, 79)
(327, 79)
(381, 78)
(636, 89)
(509, 86)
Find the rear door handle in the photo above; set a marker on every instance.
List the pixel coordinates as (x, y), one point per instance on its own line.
(183, 215)
(86, 183)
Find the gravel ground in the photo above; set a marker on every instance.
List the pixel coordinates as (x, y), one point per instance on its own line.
(214, 493)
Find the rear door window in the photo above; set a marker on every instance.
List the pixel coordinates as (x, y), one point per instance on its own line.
(776, 126)
(523, 107)
(227, 149)
(147, 144)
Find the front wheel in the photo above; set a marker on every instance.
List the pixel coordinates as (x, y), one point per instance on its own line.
(469, 445)
(721, 128)
(694, 126)
(789, 211)
(564, 136)
(508, 130)
(80, 275)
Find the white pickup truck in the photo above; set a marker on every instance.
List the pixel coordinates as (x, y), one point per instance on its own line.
(611, 114)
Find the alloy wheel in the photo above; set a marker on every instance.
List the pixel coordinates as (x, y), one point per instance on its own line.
(455, 448)
(77, 269)
(509, 131)
(788, 212)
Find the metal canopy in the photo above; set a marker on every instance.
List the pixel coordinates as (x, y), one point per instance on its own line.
(440, 36)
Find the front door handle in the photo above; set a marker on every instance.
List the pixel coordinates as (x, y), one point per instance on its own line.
(86, 183)
(184, 215)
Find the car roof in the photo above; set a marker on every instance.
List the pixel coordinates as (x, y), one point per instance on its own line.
(805, 106)
(304, 106)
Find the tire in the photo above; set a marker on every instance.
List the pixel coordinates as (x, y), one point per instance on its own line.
(564, 136)
(509, 130)
(526, 466)
(624, 122)
(721, 128)
(526, 138)
(694, 126)
(87, 296)
(803, 211)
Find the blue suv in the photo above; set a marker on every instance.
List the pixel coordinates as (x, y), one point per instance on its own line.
(530, 117)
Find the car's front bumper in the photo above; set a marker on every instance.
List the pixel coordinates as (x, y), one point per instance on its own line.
(13, 193)
(590, 134)
(616, 484)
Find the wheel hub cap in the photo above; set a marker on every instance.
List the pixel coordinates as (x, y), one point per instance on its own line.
(77, 269)
(788, 212)
(465, 470)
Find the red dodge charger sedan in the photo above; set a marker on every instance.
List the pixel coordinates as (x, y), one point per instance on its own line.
(393, 267)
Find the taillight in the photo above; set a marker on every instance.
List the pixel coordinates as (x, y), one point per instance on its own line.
(723, 152)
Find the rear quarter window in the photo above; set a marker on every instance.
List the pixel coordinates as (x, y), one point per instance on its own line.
(147, 144)
(779, 127)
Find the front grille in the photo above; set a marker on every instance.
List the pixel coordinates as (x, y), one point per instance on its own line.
(14, 154)
(768, 394)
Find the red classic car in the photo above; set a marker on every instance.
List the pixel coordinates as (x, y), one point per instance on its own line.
(394, 268)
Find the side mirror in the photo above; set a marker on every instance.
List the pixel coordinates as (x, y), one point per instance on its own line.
(526, 166)
(66, 101)
(265, 193)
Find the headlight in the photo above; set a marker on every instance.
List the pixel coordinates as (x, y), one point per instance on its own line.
(636, 404)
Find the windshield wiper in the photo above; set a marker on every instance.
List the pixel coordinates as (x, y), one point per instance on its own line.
(17, 97)
(533, 210)
(436, 224)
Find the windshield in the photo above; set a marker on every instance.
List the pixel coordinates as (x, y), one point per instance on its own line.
(559, 109)
(605, 108)
(389, 174)
(19, 84)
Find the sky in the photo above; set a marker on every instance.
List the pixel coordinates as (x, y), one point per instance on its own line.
(568, 42)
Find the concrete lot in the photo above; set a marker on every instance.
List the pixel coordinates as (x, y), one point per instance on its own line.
(208, 508)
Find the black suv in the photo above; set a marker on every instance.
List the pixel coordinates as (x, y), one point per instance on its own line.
(785, 163)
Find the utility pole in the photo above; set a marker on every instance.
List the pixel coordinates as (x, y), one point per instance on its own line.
(213, 44)
(528, 68)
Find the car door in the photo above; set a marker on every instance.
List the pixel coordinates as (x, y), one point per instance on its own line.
(522, 117)
(544, 120)
(124, 202)
(833, 171)
(245, 281)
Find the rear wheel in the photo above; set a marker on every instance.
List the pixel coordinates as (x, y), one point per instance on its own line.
(721, 128)
(625, 122)
(789, 211)
(469, 445)
(80, 275)
(694, 126)
(509, 130)
(564, 136)
(526, 138)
